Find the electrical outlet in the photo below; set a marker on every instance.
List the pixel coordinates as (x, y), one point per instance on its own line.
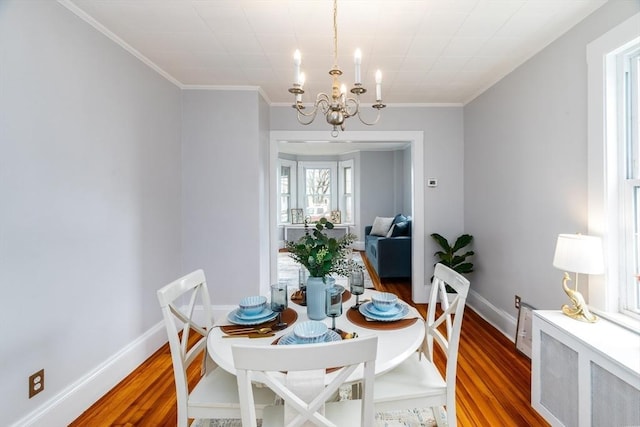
(517, 302)
(36, 383)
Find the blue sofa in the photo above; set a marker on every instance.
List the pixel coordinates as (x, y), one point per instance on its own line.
(390, 256)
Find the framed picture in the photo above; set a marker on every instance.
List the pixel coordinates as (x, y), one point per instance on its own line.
(297, 216)
(336, 217)
(524, 329)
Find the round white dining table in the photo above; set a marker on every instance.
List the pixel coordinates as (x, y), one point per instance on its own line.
(394, 345)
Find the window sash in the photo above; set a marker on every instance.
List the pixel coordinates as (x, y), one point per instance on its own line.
(286, 196)
(311, 210)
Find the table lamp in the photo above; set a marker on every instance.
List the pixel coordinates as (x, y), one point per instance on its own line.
(578, 253)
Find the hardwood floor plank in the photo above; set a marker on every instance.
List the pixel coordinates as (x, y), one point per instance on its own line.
(493, 384)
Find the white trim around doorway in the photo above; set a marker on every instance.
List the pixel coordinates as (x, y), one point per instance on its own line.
(419, 287)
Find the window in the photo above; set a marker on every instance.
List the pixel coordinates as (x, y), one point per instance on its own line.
(614, 174)
(346, 184)
(317, 188)
(629, 106)
(286, 190)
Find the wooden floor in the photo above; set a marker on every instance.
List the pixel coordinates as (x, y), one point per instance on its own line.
(493, 387)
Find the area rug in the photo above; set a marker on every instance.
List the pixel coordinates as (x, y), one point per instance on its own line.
(422, 417)
(288, 271)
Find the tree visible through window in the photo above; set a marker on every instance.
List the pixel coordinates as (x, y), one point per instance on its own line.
(317, 192)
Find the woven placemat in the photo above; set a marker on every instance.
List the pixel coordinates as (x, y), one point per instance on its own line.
(296, 297)
(358, 319)
(289, 316)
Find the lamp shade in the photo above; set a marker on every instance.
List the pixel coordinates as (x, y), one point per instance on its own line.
(578, 253)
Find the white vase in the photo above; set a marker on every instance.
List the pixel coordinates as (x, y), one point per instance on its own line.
(316, 298)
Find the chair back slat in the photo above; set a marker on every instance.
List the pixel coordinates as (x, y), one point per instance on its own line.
(178, 302)
(451, 316)
(271, 365)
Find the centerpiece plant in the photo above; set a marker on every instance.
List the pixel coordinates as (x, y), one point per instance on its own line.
(321, 255)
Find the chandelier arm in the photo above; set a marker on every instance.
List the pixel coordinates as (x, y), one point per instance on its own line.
(311, 115)
(370, 123)
(321, 104)
(351, 107)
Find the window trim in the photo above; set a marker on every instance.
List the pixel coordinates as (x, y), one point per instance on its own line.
(342, 165)
(293, 184)
(603, 203)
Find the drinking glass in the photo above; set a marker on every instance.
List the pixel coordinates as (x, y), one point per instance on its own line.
(302, 284)
(279, 303)
(356, 285)
(333, 304)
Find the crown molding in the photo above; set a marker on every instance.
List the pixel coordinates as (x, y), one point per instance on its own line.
(98, 26)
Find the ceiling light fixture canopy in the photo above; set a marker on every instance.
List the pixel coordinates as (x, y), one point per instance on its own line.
(338, 106)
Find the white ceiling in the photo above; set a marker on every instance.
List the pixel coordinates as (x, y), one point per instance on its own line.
(429, 51)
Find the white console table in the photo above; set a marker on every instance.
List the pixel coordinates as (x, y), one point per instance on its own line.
(584, 374)
(296, 231)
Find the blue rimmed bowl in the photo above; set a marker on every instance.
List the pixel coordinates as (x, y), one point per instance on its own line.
(310, 331)
(253, 305)
(384, 301)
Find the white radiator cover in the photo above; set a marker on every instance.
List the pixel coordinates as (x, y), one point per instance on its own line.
(584, 374)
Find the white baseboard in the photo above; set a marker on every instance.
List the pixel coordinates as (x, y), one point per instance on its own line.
(71, 402)
(499, 319)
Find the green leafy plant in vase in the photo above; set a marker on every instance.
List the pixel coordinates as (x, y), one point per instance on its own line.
(453, 256)
(321, 255)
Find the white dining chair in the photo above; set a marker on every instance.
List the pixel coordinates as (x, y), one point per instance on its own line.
(297, 373)
(216, 393)
(416, 382)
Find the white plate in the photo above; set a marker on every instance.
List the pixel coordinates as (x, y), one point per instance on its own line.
(291, 339)
(393, 311)
(264, 313)
(364, 310)
(233, 318)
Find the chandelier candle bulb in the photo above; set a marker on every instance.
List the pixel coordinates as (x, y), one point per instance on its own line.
(378, 85)
(297, 59)
(358, 61)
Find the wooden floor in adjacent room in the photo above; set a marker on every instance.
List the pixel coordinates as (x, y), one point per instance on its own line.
(493, 388)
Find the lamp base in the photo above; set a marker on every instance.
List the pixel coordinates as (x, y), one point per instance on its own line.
(578, 310)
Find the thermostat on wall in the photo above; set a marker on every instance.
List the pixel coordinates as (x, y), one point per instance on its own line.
(432, 182)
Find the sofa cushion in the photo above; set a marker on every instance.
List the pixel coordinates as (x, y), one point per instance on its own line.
(400, 229)
(381, 226)
(399, 218)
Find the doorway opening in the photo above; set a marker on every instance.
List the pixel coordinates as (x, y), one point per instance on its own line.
(413, 138)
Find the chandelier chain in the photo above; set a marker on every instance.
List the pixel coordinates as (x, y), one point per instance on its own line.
(335, 33)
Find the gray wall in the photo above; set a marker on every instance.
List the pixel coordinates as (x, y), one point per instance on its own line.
(90, 190)
(526, 167)
(223, 187)
(378, 187)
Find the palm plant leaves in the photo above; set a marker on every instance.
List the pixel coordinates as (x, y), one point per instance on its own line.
(449, 256)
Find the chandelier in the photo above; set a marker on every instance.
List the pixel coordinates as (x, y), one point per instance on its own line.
(338, 106)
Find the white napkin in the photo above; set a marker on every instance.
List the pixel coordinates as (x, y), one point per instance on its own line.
(307, 385)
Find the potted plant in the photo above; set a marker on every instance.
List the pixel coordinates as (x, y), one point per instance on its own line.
(451, 256)
(321, 255)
